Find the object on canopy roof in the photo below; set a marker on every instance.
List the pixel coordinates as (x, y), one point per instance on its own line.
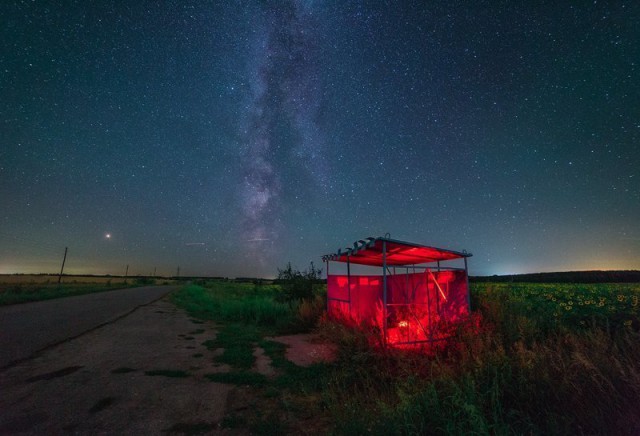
(370, 252)
(415, 299)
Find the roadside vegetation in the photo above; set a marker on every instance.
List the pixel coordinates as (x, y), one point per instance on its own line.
(247, 316)
(524, 364)
(533, 359)
(19, 289)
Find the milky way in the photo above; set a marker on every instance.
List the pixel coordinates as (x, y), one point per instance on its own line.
(282, 133)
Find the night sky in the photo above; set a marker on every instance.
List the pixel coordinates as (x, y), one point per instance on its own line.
(228, 138)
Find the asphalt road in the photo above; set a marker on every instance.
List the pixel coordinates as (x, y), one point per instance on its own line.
(143, 374)
(28, 328)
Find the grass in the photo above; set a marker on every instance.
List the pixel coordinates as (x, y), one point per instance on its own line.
(173, 373)
(516, 367)
(191, 428)
(533, 359)
(102, 404)
(233, 421)
(26, 292)
(235, 302)
(238, 378)
(246, 314)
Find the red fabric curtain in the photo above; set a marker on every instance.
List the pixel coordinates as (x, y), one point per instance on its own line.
(420, 306)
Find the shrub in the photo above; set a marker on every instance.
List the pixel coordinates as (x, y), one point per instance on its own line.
(144, 281)
(309, 311)
(297, 285)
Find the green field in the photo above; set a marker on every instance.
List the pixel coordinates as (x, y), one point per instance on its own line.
(558, 307)
(533, 359)
(26, 288)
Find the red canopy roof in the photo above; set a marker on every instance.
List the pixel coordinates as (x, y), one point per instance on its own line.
(370, 252)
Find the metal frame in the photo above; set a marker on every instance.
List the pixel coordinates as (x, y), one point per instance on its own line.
(426, 266)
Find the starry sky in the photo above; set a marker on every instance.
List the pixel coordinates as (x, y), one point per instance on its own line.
(228, 138)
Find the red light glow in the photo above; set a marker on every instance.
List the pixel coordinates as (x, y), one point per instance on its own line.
(422, 307)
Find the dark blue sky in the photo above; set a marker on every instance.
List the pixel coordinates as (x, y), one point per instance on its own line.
(229, 138)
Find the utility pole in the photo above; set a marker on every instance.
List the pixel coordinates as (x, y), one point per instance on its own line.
(64, 259)
(178, 273)
(126, 272)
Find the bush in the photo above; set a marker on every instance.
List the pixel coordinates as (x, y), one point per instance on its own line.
(310, 311)
(297, 285)
(144, 281)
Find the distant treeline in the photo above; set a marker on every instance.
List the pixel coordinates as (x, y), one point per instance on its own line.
(566, 277)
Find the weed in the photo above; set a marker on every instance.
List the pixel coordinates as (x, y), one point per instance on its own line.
(272, 392)
(302, 379)
(237, 340)
(210, 344)
(268, 425)
(297, 285)
(102, 404)
(309, 311)
(167, 373)
(233, 421)
(244, 378)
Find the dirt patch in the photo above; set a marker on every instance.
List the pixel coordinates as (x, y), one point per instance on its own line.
(263, 363)
(307, 349)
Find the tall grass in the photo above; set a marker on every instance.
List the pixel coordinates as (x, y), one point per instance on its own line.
(236, 303)
(507, 371)
(250, 304)
(522, 364)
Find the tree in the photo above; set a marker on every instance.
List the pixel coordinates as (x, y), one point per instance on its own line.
(298, 285)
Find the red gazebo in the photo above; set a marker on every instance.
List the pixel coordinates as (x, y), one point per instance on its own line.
(418, 294)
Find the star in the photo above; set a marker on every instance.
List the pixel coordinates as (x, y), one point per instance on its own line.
(270, 132)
